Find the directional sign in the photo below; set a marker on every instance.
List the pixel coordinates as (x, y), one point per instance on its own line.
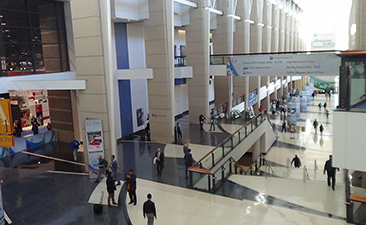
(6, 121)
(6, 140)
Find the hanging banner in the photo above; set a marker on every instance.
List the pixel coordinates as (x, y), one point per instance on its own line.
(94, 144)
(252, 98)
(317, 64)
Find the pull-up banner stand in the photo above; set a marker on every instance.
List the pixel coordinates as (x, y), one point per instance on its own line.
(296, 64)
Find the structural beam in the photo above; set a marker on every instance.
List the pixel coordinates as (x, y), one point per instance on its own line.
(187, 3)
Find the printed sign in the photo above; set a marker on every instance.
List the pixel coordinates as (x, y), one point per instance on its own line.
(292, 128)
(6, 140)
(6, 120)
(317, 64)
(252, 98)
(94, 145)
(323, 41)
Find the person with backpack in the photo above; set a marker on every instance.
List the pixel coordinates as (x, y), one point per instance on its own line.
(325, 106)
(188, 161)
(320, 106)
(321, 129)
(103, 165)
(327, 113)
(296, 161)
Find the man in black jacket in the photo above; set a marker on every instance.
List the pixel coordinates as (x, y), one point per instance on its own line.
(131, 187)
(159, 157)
(149, 210)
(331, 171)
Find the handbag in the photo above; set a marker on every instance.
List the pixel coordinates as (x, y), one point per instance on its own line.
(154, 161)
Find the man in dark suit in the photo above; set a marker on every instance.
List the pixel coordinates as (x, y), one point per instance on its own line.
(159, 157)
(149, 210)
(131, 186)
(331, 171)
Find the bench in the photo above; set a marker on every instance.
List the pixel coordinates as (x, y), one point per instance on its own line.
(357, 198)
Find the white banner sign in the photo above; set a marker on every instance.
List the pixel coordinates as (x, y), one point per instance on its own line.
(94, 145)
(317, 64)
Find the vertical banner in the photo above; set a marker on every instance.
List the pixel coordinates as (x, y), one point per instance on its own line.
(2, 216)
(94, 144)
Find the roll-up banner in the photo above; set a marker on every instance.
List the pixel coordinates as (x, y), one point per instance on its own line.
(94, 144)
(316, 64)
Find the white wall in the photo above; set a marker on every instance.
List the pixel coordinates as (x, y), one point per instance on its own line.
(181, 98)
(131, 9)
(211, 91)
(136, 46)
(139, 98)
(349, 142)
(181, 15)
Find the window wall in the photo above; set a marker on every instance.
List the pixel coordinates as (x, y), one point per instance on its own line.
(33, 37)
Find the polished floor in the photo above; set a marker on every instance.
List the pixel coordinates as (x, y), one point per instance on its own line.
(34, 194)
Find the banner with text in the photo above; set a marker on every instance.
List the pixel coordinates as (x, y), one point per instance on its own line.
(94, 145)
(317, 64)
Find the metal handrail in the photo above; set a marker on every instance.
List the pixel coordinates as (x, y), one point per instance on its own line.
(306, 174)
(228, 138)
(270, 169)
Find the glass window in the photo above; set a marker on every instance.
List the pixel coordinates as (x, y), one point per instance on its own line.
(33, 37)
(358, 84)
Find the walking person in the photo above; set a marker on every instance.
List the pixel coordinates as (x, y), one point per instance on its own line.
(188, 161)
(330, 93)
(321, 129)
(212, 121)
(131, 187)
(111, 187)
(147, 130)
(149, 210)
(325, 106)
(74, 148)
(284, 126)
(159, 158)
(178, 130)
(327, 113)
(315, 124)
(331, 171)
(103, 165)
(202, 120)
(320, 106)
(115, 169)
(296, 161)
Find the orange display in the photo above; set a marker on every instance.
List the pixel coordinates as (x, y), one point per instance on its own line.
(6, 121)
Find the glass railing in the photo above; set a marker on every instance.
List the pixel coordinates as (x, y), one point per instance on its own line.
(180, 61)
(225, 147)
(200, 173)
(210, 181)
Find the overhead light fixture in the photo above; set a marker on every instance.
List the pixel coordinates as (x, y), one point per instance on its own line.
(234, 16)
(187, 3)
(218, 12)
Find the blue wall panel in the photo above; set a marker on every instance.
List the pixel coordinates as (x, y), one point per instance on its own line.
(124, 86)
(120, 31)
(125, 104)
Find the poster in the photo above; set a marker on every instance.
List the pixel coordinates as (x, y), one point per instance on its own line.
(94, 144)
(252, 98)
(316, 64)
(140, 117)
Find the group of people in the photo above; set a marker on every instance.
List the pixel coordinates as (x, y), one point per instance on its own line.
(321, 128)
(212, 121)
(328, 167)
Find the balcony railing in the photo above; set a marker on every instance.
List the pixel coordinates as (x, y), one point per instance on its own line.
(201, 174)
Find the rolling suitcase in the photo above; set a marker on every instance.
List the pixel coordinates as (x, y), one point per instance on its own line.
(98, 208)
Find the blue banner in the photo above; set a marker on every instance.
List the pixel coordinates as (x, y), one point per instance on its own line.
(252, 98)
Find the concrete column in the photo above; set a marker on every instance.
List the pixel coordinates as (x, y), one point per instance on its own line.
(267, 36)
(91, 27)
(256, 42)
(222, 39)
(242, 44)
(287, 32)
(282, 31)
(159, 49)
(256, 150)
(198, 56)
(276, 13)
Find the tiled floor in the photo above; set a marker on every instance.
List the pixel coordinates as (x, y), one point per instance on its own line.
(34, 196)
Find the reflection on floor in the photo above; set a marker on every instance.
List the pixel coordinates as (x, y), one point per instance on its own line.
(29, 190)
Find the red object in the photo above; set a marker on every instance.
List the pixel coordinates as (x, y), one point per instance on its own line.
(38, 108)
(23, 123)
